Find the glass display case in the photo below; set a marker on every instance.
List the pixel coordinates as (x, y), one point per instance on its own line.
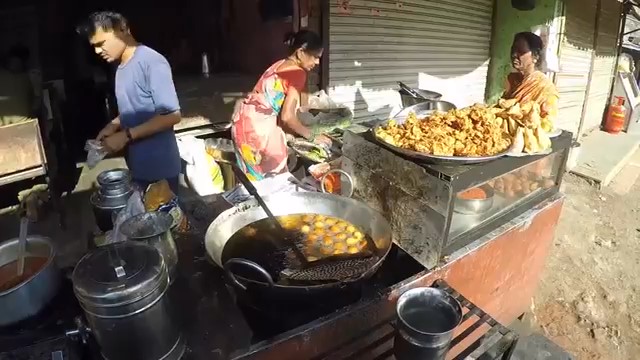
(478, 205)
(436, 209)
(482, 197)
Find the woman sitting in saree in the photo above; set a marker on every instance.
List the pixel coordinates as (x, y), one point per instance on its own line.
(528, 83)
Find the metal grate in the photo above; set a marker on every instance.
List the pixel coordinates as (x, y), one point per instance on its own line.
(498, 342)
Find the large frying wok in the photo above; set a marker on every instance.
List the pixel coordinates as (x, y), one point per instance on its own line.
(260, 282)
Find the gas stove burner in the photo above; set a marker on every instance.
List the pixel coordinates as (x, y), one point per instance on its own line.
(50, 323)
(51, 349)
(268, 319)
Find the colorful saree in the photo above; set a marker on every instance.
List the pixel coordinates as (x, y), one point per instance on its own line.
(260, 143)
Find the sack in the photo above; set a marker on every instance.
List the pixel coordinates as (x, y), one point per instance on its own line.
(159, 197)
(202, 171)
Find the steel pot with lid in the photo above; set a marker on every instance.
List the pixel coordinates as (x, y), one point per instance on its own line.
(122, 290)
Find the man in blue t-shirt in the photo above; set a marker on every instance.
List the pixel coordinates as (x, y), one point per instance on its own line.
(147, 101)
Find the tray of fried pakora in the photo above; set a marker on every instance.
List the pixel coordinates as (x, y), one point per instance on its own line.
(462, 136)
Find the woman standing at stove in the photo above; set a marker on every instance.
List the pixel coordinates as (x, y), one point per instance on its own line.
(261, 119)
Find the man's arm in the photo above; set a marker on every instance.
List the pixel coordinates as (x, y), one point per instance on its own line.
(164, 96)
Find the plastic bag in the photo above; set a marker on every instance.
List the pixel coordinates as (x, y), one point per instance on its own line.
(202, 171)
(133, 208)
(323, 114)
(272, 185)
(321, 100)
(159, 197)
(95, 152)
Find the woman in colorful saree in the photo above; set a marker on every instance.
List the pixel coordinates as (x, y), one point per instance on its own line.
(261, 119)
(528, 83)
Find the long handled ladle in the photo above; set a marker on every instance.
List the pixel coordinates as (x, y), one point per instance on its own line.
(254, 192)
(22, 244)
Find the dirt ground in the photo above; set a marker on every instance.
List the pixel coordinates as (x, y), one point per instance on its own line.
(589, 298)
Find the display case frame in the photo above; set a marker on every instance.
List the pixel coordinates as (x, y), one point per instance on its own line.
(418, 198)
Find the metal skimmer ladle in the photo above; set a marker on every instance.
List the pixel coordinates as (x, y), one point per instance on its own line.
(283, 234)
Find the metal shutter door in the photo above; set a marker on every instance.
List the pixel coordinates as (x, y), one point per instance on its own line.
(442, 45)
(575, 62)
(603, 63)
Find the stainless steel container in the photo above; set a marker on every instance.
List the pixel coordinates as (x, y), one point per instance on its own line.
(410, 100)
(475, 206)
(122, 289)
(34, 293)
(111, 196)
(426, 318)
(154, 228)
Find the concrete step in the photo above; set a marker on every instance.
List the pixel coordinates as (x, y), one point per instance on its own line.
(602, 155)
(538, 347)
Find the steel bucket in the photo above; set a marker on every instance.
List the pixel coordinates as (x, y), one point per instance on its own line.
(154, 228)
(426, 319)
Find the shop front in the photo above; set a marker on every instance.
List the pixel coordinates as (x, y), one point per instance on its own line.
(470, 209)
(588, 54)
(442, 46)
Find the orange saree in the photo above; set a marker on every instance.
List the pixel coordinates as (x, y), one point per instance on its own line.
(535, 87)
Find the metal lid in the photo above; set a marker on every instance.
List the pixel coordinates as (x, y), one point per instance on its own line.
(119, 274)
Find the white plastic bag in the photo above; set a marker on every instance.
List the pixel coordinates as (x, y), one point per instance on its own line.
(134, 207)
(271, 185)
(321, 100)
(202, 171)
(323, 114)
(95, 152)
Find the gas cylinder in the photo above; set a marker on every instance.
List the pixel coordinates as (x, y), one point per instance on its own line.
(614, 123)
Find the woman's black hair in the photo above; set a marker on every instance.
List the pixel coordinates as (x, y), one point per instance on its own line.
(536, 45)
(305, 40)
(105, 20)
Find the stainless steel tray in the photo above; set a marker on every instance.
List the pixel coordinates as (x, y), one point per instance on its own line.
(421, 111)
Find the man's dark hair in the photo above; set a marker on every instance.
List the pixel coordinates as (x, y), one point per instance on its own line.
(19, 51)
(105, 20)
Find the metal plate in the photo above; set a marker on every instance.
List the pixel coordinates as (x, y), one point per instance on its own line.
(420, 111)
(556, 132)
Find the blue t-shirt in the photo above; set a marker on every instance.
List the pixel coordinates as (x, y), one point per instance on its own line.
(144, 88)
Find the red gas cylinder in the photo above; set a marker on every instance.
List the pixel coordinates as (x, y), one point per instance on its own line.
(614, 123)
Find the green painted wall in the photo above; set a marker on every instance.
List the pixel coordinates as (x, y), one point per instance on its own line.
(508, 22)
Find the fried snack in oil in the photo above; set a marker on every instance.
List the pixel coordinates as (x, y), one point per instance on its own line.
(472, 131)
(319, 236)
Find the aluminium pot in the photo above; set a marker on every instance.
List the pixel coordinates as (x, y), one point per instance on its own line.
(262, 285)
(426, 319)
(122, 289)
(32, 295)
(111, 196)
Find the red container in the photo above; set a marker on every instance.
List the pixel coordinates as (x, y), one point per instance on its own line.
(614, 123)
